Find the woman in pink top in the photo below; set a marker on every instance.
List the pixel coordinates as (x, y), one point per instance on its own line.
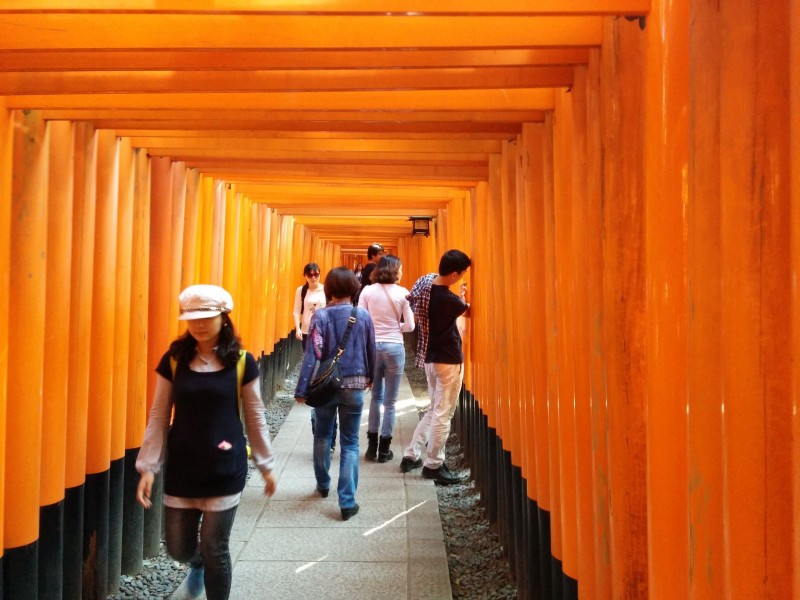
(392, 316)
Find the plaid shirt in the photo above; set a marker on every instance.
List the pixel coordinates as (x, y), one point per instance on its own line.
(419, 298)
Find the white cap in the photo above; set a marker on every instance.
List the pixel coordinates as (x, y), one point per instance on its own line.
(203, 302)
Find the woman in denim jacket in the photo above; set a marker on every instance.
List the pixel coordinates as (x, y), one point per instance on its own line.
(327, 328)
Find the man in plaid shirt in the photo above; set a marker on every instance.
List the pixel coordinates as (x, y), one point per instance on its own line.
(437, 311)
(419, 298)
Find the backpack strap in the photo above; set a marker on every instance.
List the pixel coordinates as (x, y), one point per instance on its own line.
(239, 378)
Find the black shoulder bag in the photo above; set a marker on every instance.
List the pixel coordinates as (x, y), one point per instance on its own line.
(329, 373)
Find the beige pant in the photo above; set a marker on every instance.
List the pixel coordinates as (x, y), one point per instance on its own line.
(444, 385)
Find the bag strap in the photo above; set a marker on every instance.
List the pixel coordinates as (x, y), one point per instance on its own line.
(389, 298)
(350, 322)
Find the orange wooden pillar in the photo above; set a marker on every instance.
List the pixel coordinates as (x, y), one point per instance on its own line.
(191, 255)
(121, 345)
(138, 363)
(230, 251)
(756, 410)
(794, 170)
(585, 233)
(177, 265)
(551, 364)
(564, 328)
(204, 228)
(159, 314)
(593, 252)
(534, 141)
(28, 236)
(666, 196)
(624, 304)
(57, 326)
(98, 435)
(6, 154)
(83, 228)
(217, 255)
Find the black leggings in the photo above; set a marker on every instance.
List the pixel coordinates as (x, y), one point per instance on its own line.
(212, 553)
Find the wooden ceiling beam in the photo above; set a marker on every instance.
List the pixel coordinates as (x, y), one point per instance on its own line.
(130, 31)
(285, 81)
(339, 190)
(225, 169)
(289, 146)
(408, 129)
(340, 7)
(352, 211)
(520, 99)
(366, 158)
(150, 59)
(256, 134)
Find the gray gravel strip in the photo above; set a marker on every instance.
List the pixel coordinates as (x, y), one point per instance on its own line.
(479, 569)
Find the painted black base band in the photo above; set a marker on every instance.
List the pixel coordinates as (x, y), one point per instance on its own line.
(51, 551)
(73, 542)
(570, 588)
(95, 536)
(21, 572)
(115, 491)
(152, 519)
(132, 518)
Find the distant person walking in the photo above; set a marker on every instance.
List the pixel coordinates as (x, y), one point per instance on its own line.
(308, 298)
(392, 316)
(374, 254)
(437, 310)
(328, 327)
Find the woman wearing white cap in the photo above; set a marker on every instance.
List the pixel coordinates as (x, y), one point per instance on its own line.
(206, 468)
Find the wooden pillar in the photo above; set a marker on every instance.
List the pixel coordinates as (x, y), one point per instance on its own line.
(794, 171)
(666, 198)
(624, 303)
(6, 154)
(756, 409)
(564, 330)
(177, 266)
(98, 447)
(191, 234)
(26, 293)
(57, 326)
(119, 397)
(217, 233)
(81, 303)
(138, 364)
(551, 365)
(586, 285)
(159, 316)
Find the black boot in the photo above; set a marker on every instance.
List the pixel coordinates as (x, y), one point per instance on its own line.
(372, 446)
(384, 450)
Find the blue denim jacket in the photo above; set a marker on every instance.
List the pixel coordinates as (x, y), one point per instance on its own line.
(330, 323)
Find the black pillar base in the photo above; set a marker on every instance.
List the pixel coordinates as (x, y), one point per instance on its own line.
(51, 551)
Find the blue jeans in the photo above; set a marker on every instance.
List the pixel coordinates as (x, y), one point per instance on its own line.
(389, 364)
(348, 404)
(212, 554)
